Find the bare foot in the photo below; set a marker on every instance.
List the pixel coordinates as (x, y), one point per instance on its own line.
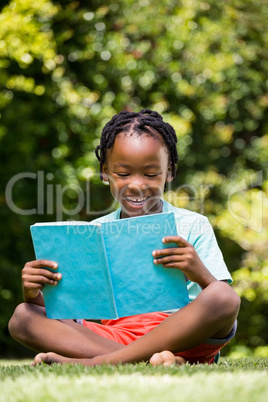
(50, 358)
(166, 358)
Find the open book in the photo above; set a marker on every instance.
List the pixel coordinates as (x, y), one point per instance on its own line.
(107, 269)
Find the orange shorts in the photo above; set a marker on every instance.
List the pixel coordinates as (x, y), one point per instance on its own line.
(128, 329)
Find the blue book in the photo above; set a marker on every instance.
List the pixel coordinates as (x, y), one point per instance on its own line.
(107, 269)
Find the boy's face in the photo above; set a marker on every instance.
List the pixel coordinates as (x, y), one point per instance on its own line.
(137, 168)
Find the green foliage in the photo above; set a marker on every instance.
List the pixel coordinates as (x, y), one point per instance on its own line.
(65, 69)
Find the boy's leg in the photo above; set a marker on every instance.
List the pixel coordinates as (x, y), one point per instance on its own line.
(211, 314)
(30, 326)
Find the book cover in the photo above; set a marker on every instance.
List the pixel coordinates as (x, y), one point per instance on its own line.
(107, 269)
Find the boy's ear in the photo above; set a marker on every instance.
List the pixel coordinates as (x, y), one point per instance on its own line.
(105, 175)
(169, 174)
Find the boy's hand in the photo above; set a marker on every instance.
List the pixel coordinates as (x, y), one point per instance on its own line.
(185, 258)
(34, 277)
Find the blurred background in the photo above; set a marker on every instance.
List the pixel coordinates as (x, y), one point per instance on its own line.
(67, 67)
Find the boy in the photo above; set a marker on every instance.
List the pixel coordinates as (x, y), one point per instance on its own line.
(138, 156)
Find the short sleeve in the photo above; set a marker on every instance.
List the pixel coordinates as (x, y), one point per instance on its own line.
(203, 239)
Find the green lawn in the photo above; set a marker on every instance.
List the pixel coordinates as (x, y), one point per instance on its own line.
(243, 379)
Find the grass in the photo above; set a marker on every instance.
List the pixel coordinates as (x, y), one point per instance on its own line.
(242, 379)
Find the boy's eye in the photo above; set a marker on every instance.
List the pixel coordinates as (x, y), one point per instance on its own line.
(153, 175)
(128, 174)
(122, 174)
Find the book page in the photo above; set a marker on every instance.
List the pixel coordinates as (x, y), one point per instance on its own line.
(139, 285)
(85, 289)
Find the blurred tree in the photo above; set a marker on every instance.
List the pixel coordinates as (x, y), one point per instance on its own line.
(66, 69)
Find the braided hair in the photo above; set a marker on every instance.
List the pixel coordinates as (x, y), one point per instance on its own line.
(145, 121)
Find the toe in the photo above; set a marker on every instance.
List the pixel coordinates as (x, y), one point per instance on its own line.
(41, 357)
(165, 358)
(156, 359)
(168, 358)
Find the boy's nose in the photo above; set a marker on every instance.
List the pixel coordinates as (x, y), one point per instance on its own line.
(137, 186)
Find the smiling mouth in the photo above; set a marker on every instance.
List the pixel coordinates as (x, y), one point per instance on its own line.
(136, 200)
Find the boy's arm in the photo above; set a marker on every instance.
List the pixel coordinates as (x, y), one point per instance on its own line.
(34, 276)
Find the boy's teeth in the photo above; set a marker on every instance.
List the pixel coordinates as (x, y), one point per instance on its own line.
(136, 200)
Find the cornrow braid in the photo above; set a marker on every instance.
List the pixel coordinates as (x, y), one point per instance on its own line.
(139, 123)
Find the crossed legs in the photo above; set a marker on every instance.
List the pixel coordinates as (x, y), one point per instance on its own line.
(211, 314)
(30, 326)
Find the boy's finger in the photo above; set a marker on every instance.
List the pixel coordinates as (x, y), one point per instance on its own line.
(41, 280)
(42, 263)
(176, 239)
(171, 259)
(168, 251)
(33, 280)
(44, 273)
